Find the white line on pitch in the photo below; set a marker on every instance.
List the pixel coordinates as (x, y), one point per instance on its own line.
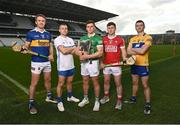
(19, 85)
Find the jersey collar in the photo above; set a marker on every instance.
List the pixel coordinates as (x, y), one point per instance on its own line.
(91, 35)
(36, 29)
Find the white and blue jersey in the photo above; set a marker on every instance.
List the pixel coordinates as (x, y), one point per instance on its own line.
(40, 43)
(65, 62)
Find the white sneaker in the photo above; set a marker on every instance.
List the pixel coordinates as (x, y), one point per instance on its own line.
(72, 99)
(83, 102)
(96, 106)
(104, 100)
(50, 99)
(60, 107)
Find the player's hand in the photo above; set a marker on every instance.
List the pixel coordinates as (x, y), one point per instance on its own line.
(24, 50)
(85, 56)
(102, 65)
(51, 58)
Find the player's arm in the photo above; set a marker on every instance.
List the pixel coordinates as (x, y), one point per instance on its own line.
(144, 48)
(124, 53)
(130, 51)
(51, 52)
(98, 54)
(65, 50)
(123, 50)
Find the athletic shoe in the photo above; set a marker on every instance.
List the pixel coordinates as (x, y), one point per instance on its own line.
(104, 100)
(50, 99)
(130, 101)
(32, 109)
(118, 106)
(60, 107)
(84, 102)
(72, 99)
(147, 109)
(96, 106)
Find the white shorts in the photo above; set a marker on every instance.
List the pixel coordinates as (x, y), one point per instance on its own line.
(112, 70)
(38, 67)
(91, 70)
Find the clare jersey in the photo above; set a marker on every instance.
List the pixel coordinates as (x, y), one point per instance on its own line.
(64, 62)
(40, 43)
(112, 49)
(138, 42)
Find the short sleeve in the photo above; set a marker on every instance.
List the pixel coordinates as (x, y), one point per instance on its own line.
(99, 41)
(57, 43)
(122, 43)
(148, 41)
(50, 38)
(29, 37)
(73, 43)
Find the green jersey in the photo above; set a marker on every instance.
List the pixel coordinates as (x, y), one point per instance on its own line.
(89, 44)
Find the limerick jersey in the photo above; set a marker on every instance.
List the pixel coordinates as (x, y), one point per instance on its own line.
(138, 42)
(90, 44)
(64, 62)
(40, 43)
(112, 49)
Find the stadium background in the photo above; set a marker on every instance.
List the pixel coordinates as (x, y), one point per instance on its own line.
(17, 18)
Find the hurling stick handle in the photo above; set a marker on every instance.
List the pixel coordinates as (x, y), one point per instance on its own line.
(37, 54)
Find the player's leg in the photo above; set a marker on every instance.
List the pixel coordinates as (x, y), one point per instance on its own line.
(32, 89)
(85, 91)
(119, 90)
(61, 80)
(96, 85)
(93, 69)
(85, 77)
(116, 71)
(135, 87)
(47, 81)
(69, 81)
(36, 69)
(107, 76)
(147, 94)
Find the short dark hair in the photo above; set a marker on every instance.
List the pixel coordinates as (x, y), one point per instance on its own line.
(63, 24)
(140, 21)
(90, 21)
(40, 15)
(111, 23)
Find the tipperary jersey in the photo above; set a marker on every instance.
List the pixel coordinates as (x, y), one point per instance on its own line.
(40, 43)
(112, 49)
(138, 42)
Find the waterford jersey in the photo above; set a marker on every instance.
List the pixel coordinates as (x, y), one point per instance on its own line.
(138, 42)
(91, 42)
(112, 49)
(40, 43)
(64, 62)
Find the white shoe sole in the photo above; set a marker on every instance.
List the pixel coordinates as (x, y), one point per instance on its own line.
(83, 105)
(69, 100)
(47, 100)
(105, 101)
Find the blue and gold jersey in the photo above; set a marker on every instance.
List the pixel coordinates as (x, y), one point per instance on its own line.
(138, 42)
(40, 43)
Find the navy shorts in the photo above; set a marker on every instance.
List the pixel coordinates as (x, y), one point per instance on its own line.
(67, 73)
(139, 70)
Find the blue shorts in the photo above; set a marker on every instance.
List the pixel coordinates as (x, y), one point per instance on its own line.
(67, 73)
(139, 70)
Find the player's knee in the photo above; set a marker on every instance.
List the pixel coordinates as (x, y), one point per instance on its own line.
(85, 80)
(135, 82)
(60, 83)
(48, 79)
(145, 86)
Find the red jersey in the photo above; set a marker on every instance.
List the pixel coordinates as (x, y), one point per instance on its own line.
(112, 52)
